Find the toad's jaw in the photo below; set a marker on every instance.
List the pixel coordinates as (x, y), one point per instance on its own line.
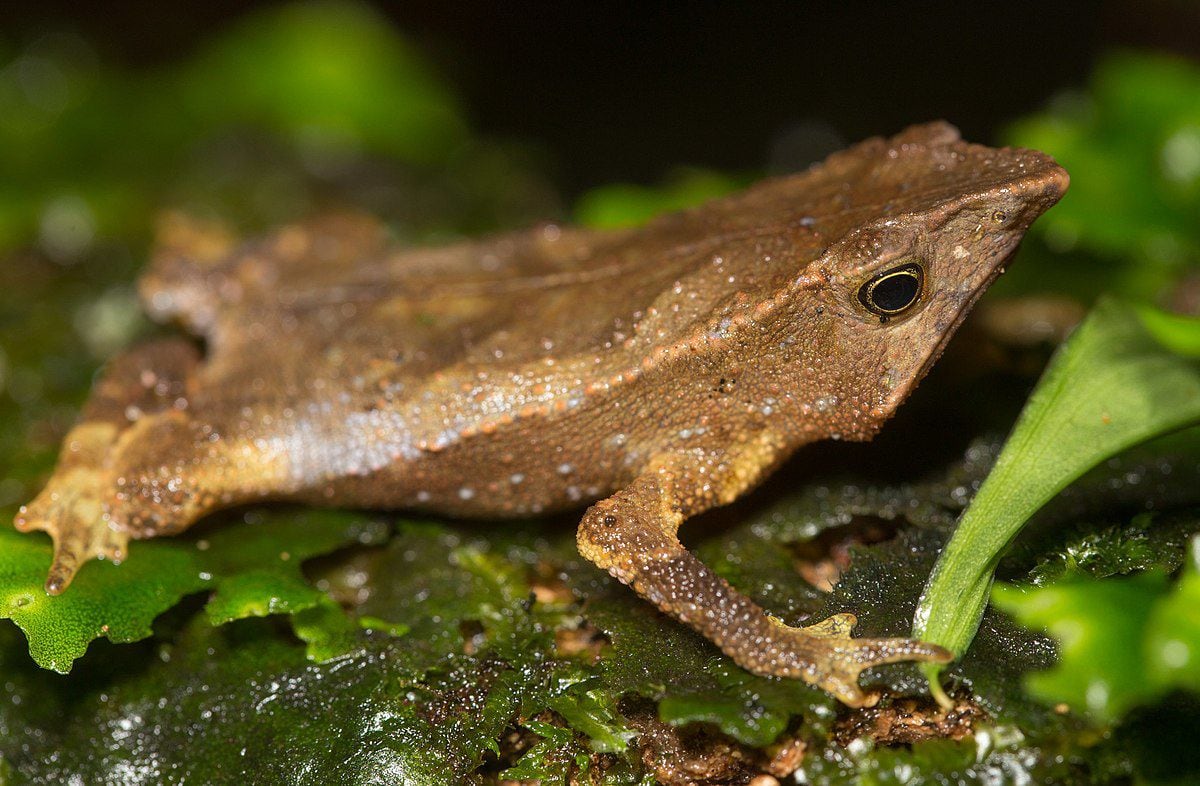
(1041, 193)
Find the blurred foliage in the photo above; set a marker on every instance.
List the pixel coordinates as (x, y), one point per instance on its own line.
(260, 125)
(1130, 223)
(624, 205)
(300, 647)
(1124, 643)
(1179, 333)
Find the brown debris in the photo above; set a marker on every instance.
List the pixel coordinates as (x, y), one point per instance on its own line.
(822, 560)
(548, 585)
(586, 641)
(699, 755)
(1030, 320)
(906, 721)
(787, 756)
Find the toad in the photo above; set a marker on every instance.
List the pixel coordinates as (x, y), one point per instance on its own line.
(662, 370)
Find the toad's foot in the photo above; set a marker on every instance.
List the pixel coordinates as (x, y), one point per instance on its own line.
(824, 654)
(73, 509)
(130, 425)
(156, 476)
(633, 536)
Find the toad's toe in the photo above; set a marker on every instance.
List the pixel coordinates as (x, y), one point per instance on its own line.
(72, 510)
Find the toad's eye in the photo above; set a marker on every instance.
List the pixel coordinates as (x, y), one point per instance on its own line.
(893, 291)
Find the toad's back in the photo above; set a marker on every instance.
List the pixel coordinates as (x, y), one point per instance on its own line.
(553, 292)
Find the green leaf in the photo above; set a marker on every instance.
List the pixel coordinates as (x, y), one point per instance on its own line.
(117, 602)
(1111, 386)
(1099, 624)
(253, 567)
(592, 713)
(1123, 642)
(1172, 643)
(327, 631)
(259, 593)
(551, 759)
(256, 565)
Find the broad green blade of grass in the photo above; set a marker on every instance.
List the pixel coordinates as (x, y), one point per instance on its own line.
(1114, 384)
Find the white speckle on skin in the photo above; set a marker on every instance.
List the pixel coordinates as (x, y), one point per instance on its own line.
(466, 492)
(826, 403)
(516, 478)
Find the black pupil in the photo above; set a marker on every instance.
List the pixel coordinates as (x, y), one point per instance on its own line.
(893, 291)
(896, 292)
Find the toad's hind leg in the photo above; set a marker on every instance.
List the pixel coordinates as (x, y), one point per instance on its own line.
(633, 536)
(75, 507)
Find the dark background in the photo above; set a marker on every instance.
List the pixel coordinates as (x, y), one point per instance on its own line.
(624, 92)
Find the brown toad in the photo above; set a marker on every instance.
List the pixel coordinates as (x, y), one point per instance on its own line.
(663, 370)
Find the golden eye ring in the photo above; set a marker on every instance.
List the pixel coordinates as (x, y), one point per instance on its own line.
(893, 291)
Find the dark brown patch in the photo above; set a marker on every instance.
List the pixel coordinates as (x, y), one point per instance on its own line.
(907, 721)
(699, 755)
(823, 559)
(585, 641)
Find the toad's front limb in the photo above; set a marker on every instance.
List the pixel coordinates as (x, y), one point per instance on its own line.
(633, 535)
